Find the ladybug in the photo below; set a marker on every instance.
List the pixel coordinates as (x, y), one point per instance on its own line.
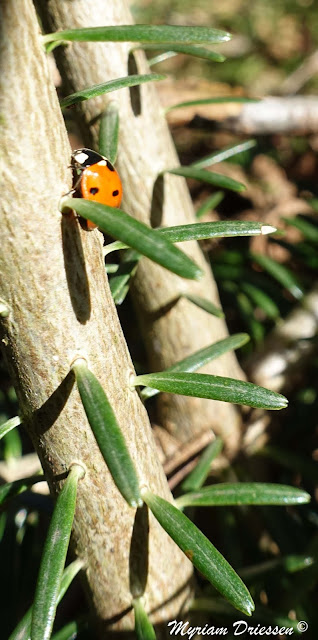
(96, 179)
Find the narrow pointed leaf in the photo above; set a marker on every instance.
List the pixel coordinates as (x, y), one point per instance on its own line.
(205, 230)
(261, 299)
(204, 556)
(309, 230)
(135, 234)
(11, 489)
(199, 474)
(290, 563)
(72, 630)
(9, 425)
(159, 34)
(113, 246)
(108, 132)
(111, 267)
(205, 305)
(12, 445)
(210, 204)
(108, 435)
(189, 50)
(220, 156)
(217, 179)
(53, 558)
(204, 101)
(106, 87)
(23, 629)
(198, 359)
(201, 385)
(244, 493)
(143, 627)
(118, 283)
(69, 632)
(213, 351)
(68, 576)
(255, 328)
(280, 273)
(295, 563)
(161, 57)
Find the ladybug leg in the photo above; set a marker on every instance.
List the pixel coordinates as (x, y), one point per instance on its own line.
(76, 183)
(69, 193)
(75, 188)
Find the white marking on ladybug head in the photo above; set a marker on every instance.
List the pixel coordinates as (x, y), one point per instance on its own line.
(102, 163)
(80, 157)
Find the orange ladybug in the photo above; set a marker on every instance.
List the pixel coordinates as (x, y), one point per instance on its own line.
(96, 179)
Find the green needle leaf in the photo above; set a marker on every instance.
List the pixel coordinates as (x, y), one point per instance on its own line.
(201, 552)
(23, 629)
(118, 283)
(290, 563)
(204, 101)
(108, 132)
(106, 87)
(143, 627)
(205, 305)
(11, 489)
(9, 425)
(256, 328)
(203, 356)
(210, 204)
(261, 299)
(113, 246)
(69, 632)
(197, 52)
(224, 154)
(217, 179)
(244, 493)
(161, 57)
(107, 432)
(201, 385)
(53, 558)
(280, 273)
(135, 234)
(149, 33)
(205, 230)
(199, 474)
(309, 230)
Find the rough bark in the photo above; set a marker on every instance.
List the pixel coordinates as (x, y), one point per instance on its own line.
(172, 327)
(54, 284)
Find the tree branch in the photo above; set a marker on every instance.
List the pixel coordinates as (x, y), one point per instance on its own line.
(297, 115)
(54, 285)
(169, 323)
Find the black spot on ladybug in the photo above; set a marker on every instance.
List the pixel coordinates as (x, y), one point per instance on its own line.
(115, 193)
(94, 190)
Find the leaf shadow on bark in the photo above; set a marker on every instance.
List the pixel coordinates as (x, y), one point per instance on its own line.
(75, 268)
(156, 211)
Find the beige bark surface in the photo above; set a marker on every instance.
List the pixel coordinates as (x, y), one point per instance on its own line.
(172, 327)
(54, 284)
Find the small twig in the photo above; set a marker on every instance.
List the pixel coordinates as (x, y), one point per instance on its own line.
(298, 78)
(296, 115)
(288, 348)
